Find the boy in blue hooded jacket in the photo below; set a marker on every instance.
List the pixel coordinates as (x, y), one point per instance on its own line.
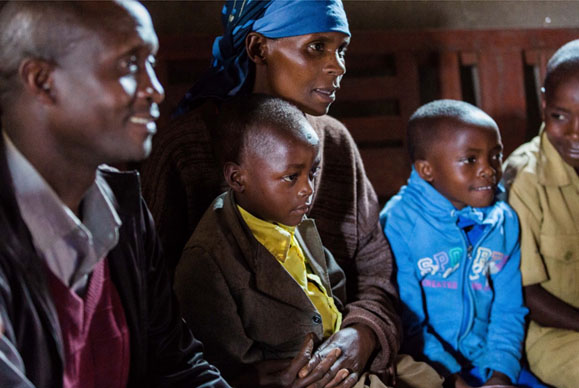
(457, 249)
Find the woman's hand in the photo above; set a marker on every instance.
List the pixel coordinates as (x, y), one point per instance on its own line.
(357, 343)
(283, 373)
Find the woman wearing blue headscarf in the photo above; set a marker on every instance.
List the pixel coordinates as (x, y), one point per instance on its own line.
(294, 50)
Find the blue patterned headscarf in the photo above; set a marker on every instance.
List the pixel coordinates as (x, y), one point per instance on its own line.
(229, 74)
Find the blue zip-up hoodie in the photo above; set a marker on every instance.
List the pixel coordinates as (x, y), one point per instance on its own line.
(462, 304)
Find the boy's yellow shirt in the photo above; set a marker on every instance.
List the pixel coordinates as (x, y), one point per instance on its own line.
(281, 242)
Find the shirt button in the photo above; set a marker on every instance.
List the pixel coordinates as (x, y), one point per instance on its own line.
(317, 319)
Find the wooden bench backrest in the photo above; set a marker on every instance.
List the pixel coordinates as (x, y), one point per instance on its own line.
(391, 73)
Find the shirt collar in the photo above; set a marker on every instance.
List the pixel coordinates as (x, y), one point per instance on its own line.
(275, 237)
(50, 220)
(552, 169)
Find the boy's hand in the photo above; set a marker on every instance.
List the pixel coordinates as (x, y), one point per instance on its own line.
(497, 380)
(498, 386)
(357, 343)
(458, 381)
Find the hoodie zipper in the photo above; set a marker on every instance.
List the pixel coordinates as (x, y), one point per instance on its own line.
(466, 289)
(466, 302)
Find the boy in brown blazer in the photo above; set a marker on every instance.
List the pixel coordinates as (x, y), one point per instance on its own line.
(254, 282)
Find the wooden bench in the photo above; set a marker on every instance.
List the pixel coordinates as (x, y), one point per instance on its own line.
(391, 73)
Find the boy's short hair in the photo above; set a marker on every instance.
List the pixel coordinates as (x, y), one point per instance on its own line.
(562, 64)
(425, 125)
(242, 119)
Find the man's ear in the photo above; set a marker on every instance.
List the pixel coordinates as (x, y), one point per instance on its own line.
(37, 78)
(424, 169)
(234, 176)
(256, 47)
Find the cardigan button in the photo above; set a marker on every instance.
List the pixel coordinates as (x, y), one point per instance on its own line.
(317, 319)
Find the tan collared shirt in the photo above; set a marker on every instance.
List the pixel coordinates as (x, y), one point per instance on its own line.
(545, 195)
(70, 247)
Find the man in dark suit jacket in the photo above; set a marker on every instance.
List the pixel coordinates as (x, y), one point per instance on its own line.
(84, 295)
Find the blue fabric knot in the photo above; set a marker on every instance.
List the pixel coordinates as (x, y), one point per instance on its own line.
(472, 224)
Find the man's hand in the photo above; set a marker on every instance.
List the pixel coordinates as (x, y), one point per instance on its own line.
(357, 343)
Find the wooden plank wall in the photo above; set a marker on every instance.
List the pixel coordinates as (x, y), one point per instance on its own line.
(391, 73)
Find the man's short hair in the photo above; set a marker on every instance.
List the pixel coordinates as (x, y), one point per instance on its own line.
(425, 125)
(564, 63)
(47, 30)
(242, 120)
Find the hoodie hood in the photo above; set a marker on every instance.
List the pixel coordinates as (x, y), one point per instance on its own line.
(439, 207)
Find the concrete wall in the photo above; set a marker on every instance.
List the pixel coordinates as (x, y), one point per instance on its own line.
(204, 16)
